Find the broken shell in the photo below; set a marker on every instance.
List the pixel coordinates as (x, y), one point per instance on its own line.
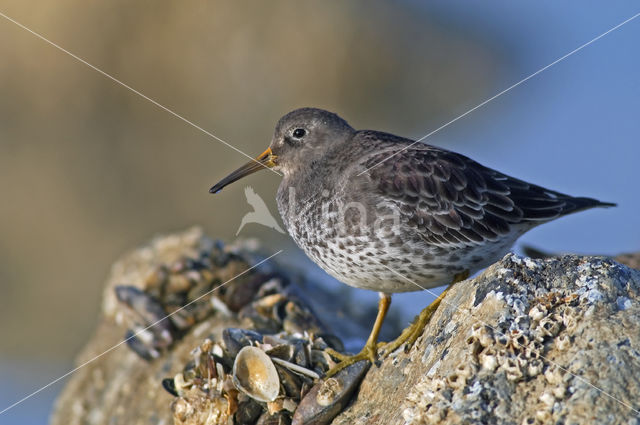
(297, 368)
(521, 321)
(239, 296)
(501, 357)
(570, 320)
(255, 375)
(267, 303)
(466, 369)
(281, 404)
(179, 383)
(543, 415)
(178, 283)
(533, 350)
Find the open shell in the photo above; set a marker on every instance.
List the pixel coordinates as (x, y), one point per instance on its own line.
(255, 374)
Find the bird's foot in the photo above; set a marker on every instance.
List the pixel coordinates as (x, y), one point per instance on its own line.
(369, 352)
(411, 334)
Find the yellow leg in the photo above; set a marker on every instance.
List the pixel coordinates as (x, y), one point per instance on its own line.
(370, 350)
(410, 334)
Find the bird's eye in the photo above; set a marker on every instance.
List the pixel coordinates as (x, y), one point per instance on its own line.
(299, 133)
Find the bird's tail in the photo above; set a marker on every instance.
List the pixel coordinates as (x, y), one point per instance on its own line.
(577, 204)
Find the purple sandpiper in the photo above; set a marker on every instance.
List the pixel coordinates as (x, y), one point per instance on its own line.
(384, 213)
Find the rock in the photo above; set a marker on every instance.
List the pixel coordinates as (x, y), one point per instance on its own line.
(222, 288)
(553, 340)
(526, 342)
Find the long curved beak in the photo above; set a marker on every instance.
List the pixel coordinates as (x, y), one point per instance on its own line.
(264, 160)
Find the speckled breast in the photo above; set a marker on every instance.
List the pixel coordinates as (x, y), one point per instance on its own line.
(365, 246)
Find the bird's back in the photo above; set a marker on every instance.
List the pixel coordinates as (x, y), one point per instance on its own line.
(394, 213)
(456, 190)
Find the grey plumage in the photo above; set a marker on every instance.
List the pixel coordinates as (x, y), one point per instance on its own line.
(453, 200)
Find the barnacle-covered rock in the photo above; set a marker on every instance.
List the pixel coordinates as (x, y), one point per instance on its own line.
(526, 342)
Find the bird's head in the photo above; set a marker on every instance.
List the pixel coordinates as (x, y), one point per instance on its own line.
(301, 137)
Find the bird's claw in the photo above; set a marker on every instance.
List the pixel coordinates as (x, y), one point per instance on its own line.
(369, 352)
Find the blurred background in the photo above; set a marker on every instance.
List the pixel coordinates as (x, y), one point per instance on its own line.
(89, 169)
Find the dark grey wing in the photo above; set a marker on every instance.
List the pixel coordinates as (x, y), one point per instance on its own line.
(451, 199)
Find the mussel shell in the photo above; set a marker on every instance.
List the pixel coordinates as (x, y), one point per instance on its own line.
(259, 321)
(235, 339)
(326, 339)
(238, 296)
(138, 346)
(290, 381)
(170, 386)
(300, 353)
(248, 412)
(297, 319)
(255, 375)
(282, 351)
(328, 397)
(279, 418)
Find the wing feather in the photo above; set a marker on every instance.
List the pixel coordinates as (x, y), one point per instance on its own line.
(451, 199)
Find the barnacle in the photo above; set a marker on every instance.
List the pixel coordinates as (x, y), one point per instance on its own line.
(537, 312)
(483, 334)
(512, 369)
(553, 374)
(562, 342)
(534, 367)
(488, 359)
(550, 325)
